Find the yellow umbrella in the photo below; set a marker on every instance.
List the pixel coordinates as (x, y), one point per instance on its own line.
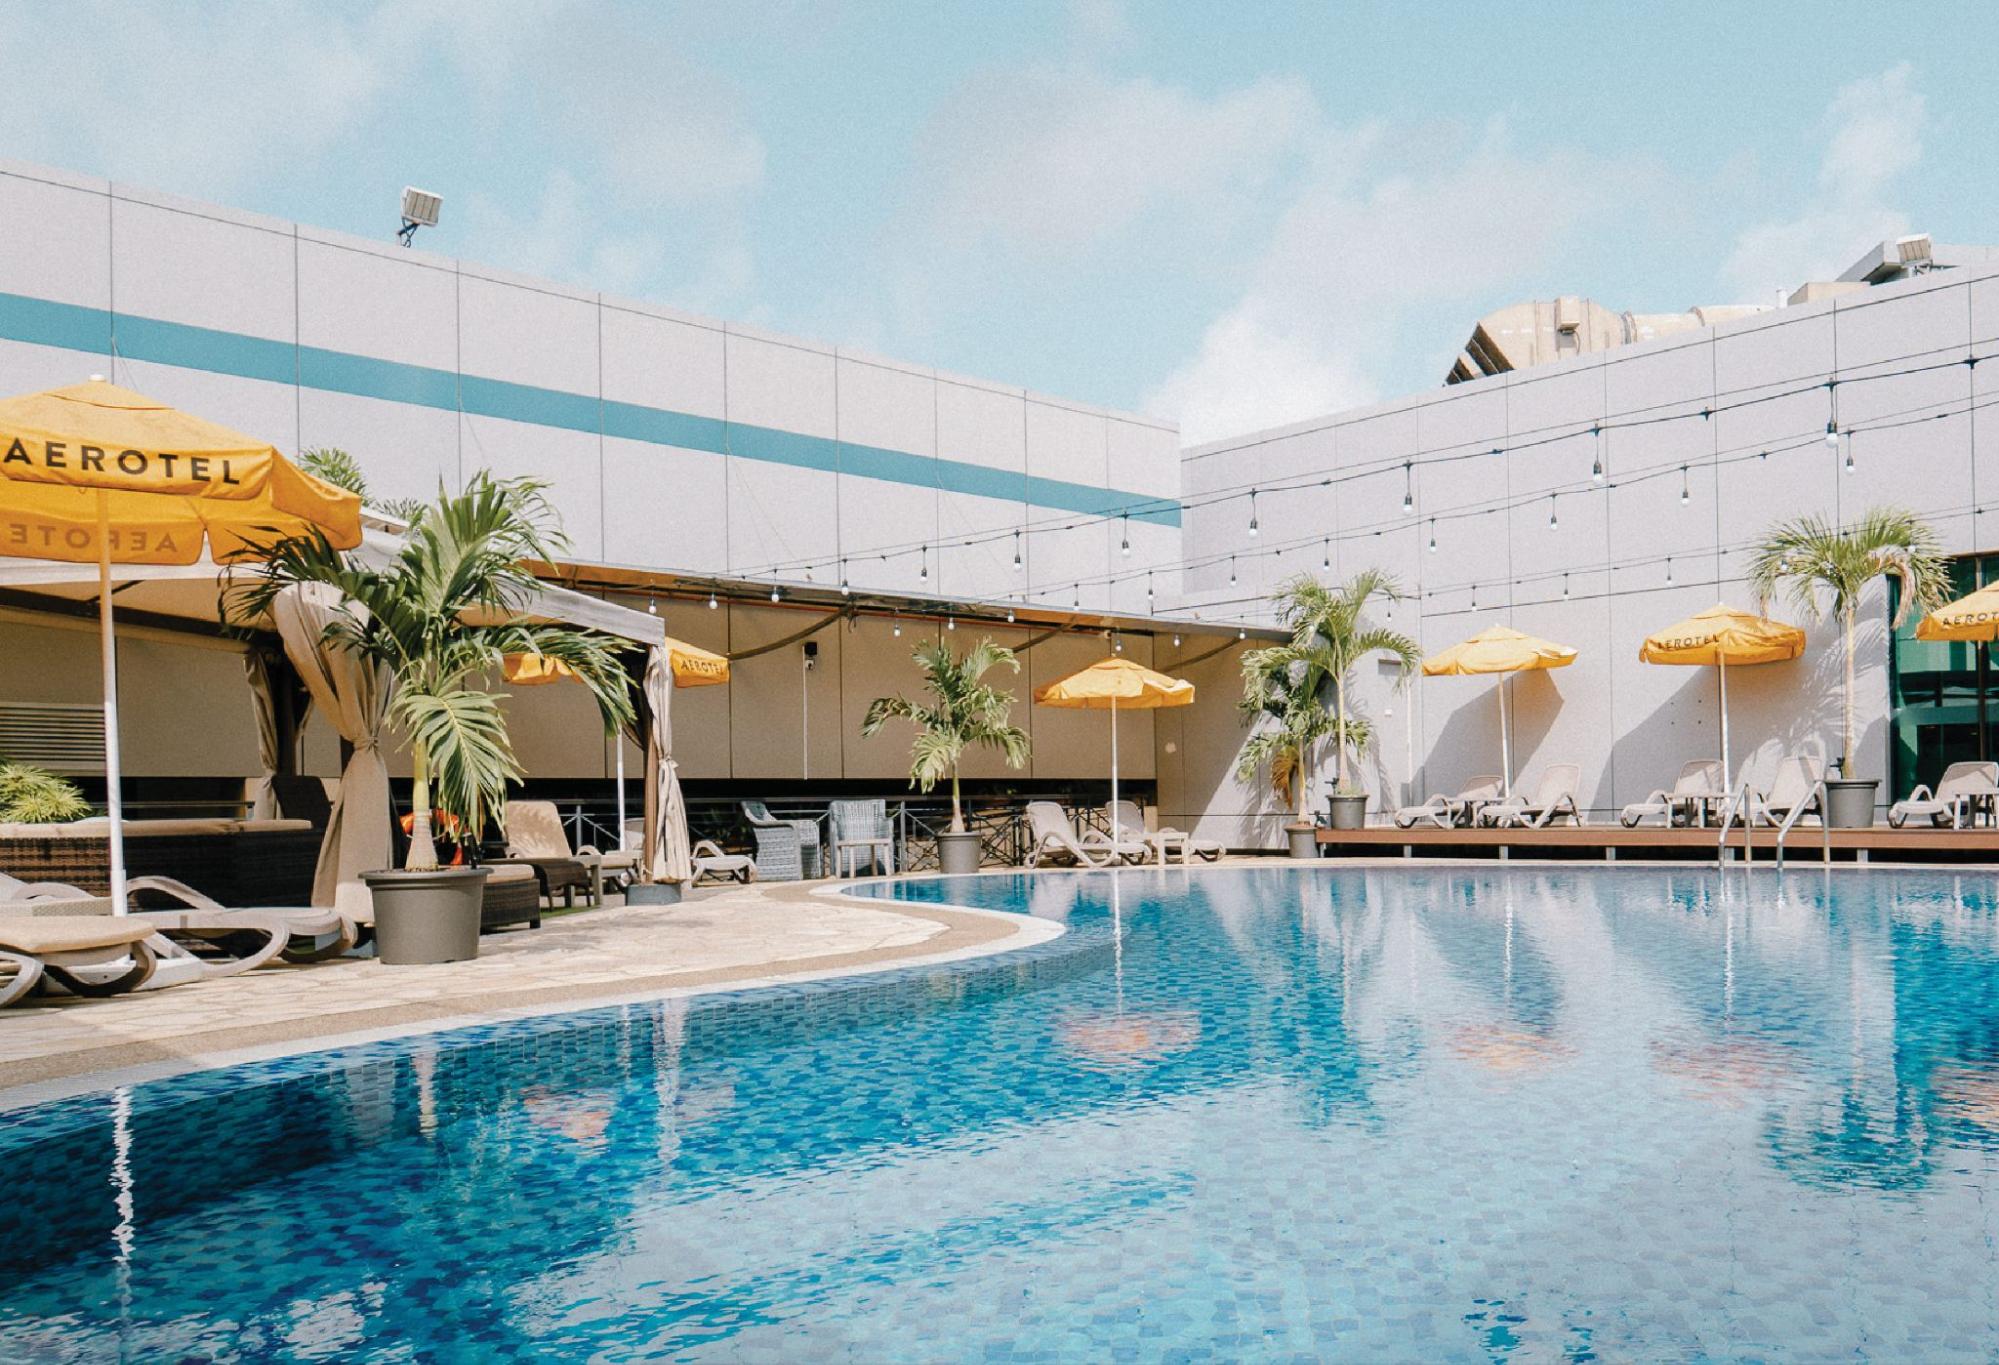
(692, 666)
(1974, 617)
(1500, 649)
(1721, 636)
(98, 473)
(1115, 684)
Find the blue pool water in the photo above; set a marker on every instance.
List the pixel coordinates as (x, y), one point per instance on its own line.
(1401, 1115)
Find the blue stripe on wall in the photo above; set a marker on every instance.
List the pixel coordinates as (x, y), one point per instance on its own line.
(72, 327)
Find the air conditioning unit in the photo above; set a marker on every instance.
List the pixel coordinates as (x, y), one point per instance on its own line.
(421, 206)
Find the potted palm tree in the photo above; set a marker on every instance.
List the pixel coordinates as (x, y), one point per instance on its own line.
(1302, 685)
(966, 711)
(440, 617)
(1825, 569)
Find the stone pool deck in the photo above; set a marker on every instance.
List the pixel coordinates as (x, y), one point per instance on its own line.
(720, 937)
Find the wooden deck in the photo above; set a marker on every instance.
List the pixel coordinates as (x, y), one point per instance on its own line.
(1612, 842)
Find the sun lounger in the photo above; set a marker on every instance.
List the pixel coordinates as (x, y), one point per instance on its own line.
(1445, 811)
(1051, 833)
(711, 861)
(1699, 782)
(1960, 793)
(1554, 799)
(535, 836)
(1128, 822)
(206, 939)
(87, 955)
(1793, 788)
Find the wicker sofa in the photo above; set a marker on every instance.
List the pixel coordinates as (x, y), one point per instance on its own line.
(237, 862)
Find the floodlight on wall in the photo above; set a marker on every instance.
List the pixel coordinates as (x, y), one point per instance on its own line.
(419, 210)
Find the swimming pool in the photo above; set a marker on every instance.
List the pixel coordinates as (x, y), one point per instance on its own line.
(1381, 1114)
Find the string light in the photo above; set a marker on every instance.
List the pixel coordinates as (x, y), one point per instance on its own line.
(1669, 568)
(898, 627)
(712, 603)
(1686, 494)
(1433, 535)
(1176, 642)
(774, 594)
(1117, 643)
(1148, 591)
(845, 588)
(1231, 571)
(1326, 554)
(923, 564)
(1849, 452)
(1832, 413)
(1565, 587)
(1016, 551)
(1078, 603)
(950, 623)
(1408, 487)
(1554, 521)
(1253, 527)
(1125, 548)
(1241, 634)
(1009, 615)
(1596, 461)
(652, 606)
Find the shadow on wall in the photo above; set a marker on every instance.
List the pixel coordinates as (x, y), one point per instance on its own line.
(1469, 744)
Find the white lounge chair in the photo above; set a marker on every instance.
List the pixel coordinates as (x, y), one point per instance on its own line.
(711, 861)
(1127, 821)
(1792, 788)
(1445, 811)
(88, 955)
(1962, 790)
(202, 938)
(1698, 782)
(1554, 799)
(1052, 833)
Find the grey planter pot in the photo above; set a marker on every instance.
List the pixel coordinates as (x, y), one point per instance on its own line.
(958, 854)
(1850, 801)
(1303, 840)
(424, 917)
(653, 893)
(1348, 812)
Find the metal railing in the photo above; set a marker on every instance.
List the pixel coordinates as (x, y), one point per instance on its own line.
(1738, 800)
(1814, 802)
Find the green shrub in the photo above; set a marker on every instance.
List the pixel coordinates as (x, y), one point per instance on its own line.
(35, 796)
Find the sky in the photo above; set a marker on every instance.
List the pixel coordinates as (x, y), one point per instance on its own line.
(1232, 216)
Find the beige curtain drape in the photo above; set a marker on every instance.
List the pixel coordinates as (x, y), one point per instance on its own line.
(355, 697)
(264, 705)
(667, 857)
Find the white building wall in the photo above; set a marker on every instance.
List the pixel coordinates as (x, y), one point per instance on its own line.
(1756, 457)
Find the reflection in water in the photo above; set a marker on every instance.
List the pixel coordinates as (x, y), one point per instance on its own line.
(1377, 1114)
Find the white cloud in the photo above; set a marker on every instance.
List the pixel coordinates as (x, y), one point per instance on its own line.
(1875, 128)
(1386, 235)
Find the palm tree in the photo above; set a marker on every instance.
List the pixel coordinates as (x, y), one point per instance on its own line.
(1330, 636)
(967, 711)
(1827, 568)
(441, 617)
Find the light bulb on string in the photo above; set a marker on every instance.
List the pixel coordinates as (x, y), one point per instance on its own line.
(1326, 554)
(1117, 643)
(1596, 460)
(1176, 642)
(1016, 552)
(923, 564)
(1832, 412)
(1231, 571)
(1148, 592)
(774, 593)
(652, 606)
(1009, 615)
(845, 587)
(897, 629)
(1125, 547)
(1078, 603)
(1241, 633)
(1669, 568)
(1849, 452)
(1554, 522)
(1565, 587)
(950, 623)
(1433, 535)
(1253, 527)
(1686, 493)
(1408, 487)
(712, 603)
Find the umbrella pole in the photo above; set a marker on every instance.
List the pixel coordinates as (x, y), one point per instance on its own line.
(1505, 745)
(618, 742)
(114, 804)
(1115, 837)
(1727, 782)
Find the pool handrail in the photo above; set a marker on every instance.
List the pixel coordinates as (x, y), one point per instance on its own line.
(1816, 796)
(1738, 800)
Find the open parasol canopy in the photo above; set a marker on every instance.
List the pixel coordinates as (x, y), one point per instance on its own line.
(1114, 684)
(97, 473)
(1724, 636)
(1500, 649)
(1973, 617)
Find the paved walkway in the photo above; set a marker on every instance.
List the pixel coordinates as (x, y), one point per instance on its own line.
(720, 937)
